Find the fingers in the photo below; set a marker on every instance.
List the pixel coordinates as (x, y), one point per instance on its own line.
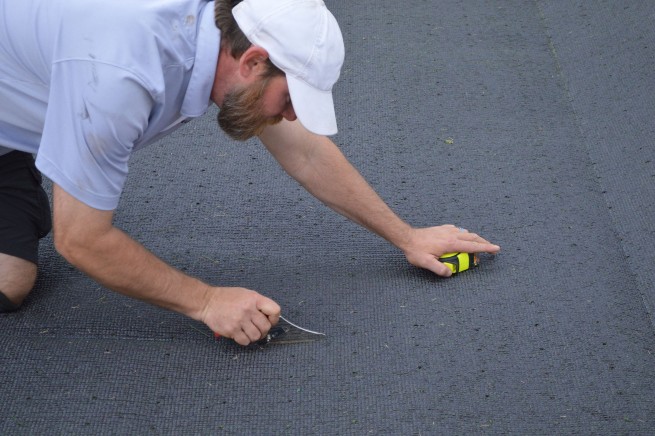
(463, 246)
(473, 243)
(469, 242)
(257, 329)
(251, 333)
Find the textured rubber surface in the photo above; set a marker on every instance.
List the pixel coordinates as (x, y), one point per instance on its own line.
(528, 122)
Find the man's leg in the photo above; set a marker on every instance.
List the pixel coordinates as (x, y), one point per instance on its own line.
(24, 219)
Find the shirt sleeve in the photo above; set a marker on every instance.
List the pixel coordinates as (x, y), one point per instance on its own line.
(95, 114)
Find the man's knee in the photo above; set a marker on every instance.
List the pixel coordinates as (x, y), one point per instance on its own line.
(24, 219)
(17, 278)
(6, 305)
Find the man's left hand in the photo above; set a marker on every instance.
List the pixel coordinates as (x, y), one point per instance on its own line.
(425, 245)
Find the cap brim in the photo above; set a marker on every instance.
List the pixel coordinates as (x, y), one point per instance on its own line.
(314, 108)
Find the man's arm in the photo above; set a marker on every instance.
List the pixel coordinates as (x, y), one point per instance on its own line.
(87, 239)
(319, 166)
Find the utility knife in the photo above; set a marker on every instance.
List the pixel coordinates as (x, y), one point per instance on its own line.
(286, 332)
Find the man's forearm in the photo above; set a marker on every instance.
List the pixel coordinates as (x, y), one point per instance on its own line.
(331, 178)
(87, 239)
(123, 265)
(320, 167)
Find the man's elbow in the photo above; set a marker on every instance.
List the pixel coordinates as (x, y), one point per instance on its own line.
(72, 245)
(78, 229)
(63, 244)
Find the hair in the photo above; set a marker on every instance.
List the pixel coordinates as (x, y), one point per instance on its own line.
(233, 38)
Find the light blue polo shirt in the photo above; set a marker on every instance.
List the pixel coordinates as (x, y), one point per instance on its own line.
(83, 83)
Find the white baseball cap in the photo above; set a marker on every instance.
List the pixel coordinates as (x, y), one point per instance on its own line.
(302, 39)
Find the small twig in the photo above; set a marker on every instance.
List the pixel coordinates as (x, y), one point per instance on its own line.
(197, 329)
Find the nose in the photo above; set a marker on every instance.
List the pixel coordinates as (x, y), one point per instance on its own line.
(289, 114)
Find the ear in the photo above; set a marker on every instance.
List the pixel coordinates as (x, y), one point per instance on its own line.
(252, 62)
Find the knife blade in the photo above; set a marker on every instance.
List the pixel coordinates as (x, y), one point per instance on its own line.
(286, 332)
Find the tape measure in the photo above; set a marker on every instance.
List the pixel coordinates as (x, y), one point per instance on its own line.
(458, 262)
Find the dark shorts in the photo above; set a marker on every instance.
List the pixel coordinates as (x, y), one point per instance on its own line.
(24, 207)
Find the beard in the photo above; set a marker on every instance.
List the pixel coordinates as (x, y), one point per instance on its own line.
(240, 115)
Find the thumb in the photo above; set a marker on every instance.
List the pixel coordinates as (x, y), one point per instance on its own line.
(432, 264)
(269, 308)
(429, 262)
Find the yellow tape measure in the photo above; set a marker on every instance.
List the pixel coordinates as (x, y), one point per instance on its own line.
(458, 262)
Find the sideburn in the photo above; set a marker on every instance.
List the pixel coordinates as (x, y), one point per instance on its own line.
(240, 115)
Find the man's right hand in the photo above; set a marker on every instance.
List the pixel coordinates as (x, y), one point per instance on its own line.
(240, 314)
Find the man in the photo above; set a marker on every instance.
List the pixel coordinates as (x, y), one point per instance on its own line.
(84, 83)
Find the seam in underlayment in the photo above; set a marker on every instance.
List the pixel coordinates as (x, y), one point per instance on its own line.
(599, 178)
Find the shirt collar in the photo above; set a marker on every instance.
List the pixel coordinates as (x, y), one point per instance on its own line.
(196, 99)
